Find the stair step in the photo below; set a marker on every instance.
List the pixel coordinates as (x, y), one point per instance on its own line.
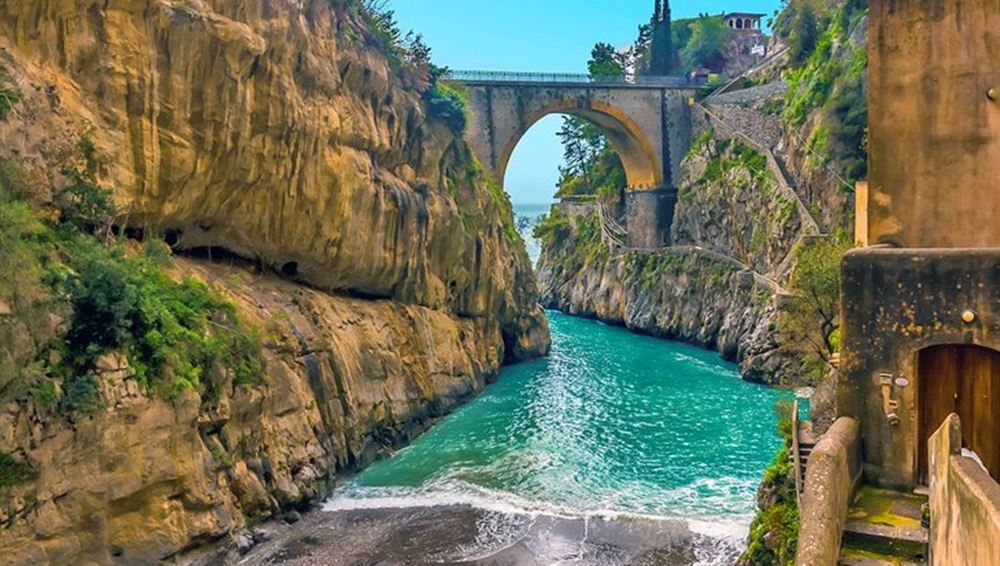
(903, 542)
(854, 557)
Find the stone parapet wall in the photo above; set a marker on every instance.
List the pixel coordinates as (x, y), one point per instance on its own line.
(746, 111)
(832, 473)
(965, 503)
(574, 208)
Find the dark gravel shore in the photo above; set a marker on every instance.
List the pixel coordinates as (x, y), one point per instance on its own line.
(458, 535)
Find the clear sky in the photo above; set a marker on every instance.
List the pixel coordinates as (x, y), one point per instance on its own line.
(538, 35)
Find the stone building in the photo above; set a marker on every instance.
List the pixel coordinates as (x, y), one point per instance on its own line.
(744, 22)
(921, 303)
(919, 378)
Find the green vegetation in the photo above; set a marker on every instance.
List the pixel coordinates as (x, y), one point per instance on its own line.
(828, 76)
(12, 472)
(447, 103)
(111, 299)
(9, 94)
(774, 532)
(410, 58)
(592, 167)
(812, 316)
(734, 154)
(579, 244)
(705, 46)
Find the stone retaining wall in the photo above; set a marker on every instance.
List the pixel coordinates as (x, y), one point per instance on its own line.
(965, 503)
(832, 473)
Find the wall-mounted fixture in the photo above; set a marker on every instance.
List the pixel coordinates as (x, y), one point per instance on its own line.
(969, 316)
(993, 94)
(889, 405)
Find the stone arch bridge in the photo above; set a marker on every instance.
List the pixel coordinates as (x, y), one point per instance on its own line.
(647, 120)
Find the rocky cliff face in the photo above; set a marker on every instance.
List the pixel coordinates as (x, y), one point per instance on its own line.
(270, 129)
(274, 131)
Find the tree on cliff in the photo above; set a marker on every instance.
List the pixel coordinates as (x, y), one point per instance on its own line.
(812, 316)
(661, 50)
(591, 165)
(606, 62)
(707, 43)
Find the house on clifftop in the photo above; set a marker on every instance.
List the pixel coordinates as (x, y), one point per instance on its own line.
(744, 22)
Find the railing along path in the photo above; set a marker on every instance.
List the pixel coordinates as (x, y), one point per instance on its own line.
(474, 77)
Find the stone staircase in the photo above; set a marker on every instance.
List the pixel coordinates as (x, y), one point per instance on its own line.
(806, 444)
(883, 528)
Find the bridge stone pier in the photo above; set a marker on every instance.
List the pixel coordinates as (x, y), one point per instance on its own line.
(647, 121)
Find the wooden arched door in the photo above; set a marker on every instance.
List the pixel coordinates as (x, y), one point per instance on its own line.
(964, 380)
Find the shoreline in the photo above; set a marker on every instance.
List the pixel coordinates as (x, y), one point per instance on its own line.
(454, 534)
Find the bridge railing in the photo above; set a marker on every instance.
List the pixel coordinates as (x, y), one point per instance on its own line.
(566, 78)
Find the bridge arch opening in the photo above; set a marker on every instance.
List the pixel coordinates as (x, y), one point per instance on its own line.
(637, 154)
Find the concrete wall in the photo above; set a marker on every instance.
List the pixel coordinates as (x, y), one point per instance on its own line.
(641, 123)
(648, 217)
(934, 136)
(965, 504)
(894, 303)
(574, 208)
(832, 473)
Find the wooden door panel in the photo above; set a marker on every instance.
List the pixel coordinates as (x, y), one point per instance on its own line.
(938, 384)
(978, 373)
(963, 380)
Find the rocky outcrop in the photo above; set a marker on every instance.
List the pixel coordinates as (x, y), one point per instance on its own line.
(730, 202)
(386, 277)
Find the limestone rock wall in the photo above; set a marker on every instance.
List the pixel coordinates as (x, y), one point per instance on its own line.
(276, 131)
(732, 204)
(146, 479)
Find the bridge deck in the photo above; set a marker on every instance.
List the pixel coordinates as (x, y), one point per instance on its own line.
(477, 78)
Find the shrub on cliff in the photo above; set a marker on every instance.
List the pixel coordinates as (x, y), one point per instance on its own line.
(774, 532)
(176, 334)
(812, 315)
(71, 298)
(9, 94)
(828, 77)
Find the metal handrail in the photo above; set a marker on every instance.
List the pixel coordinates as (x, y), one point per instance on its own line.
(565, 78)
(796, 462)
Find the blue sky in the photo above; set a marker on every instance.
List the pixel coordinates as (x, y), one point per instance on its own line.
(537, 35)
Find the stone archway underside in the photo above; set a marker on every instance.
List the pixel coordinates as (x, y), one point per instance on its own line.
(649, 127)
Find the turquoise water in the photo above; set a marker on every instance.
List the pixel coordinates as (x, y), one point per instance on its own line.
(612, 424)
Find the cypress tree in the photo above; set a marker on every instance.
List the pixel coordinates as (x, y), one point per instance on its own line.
(661, 59)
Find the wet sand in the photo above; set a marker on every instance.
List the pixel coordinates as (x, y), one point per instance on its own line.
(460, 535)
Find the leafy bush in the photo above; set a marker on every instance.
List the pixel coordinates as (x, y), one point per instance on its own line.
(86, 204)
(177, 335)
(706, 46)
(777, 523)
(448, 104)
(12, 472)
(9, 94)
(812, 316)
(828, 75)
(553, 229)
